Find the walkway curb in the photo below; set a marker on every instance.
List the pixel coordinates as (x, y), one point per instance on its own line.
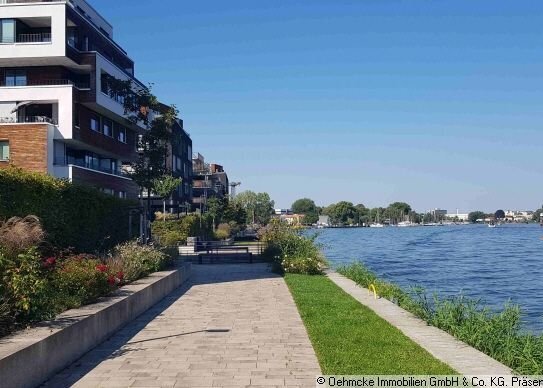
(459, 356)
(30, 357)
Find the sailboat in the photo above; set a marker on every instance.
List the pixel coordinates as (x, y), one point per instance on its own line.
(377, 224)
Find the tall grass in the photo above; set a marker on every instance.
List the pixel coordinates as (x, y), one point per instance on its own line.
(497, 334)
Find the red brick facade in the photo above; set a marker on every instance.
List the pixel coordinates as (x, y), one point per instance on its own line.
(28, 146)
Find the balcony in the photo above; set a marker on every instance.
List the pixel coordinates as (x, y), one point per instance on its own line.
(42, 37)
(28, 120)
(44, 82)
(61, 161)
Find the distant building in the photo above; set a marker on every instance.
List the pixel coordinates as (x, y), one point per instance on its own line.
(292, 219)
(280, 212)
(457, 216)
(438, 214)
(519, 215)
(208, 181)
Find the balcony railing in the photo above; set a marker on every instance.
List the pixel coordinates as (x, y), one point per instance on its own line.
(28, 119)
(42, 37)
(60, 161)
(46, 82)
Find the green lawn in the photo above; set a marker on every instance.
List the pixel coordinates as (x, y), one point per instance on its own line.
(351, 339)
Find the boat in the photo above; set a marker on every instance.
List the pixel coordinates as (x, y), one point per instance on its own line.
(377, 225)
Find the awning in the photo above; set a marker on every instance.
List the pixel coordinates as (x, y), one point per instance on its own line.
(20, 105)
(25, 103)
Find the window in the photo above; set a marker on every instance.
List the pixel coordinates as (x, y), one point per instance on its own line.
(7, 31)
(15, 77)
(95, 123)
(4, 150)
(121, 135)
(108, 191)
(122, 194)
(107, 127)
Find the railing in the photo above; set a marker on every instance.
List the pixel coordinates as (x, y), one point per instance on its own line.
(28, 119)
(46, 82)
(61, 161)
(42, 37)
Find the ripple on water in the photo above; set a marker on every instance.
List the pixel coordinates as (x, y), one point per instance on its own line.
(492, 264)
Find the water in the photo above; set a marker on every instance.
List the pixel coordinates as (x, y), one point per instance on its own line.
(492, 264)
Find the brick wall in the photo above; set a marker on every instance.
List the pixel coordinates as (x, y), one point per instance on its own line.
(28, 146)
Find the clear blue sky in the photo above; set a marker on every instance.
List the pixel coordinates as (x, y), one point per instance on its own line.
(436, 103)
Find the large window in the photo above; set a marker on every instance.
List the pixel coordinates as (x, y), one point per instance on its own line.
(7, 31)
(95, 123)
(121, 134)
(4, 150)
(15, 77)
(107, 127)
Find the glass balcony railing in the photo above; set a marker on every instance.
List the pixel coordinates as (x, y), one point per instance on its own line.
(28, 120)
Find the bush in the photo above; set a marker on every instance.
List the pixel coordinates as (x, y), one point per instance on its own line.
(223, 232)
(136, 261)
(73, 215)
(19, 234)
(80, 280)
(174, 232)
(290, 251)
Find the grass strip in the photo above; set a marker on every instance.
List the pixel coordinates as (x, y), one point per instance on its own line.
(350, 339)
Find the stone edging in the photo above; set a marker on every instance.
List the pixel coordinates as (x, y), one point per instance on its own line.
(459, 356)
(30, 357)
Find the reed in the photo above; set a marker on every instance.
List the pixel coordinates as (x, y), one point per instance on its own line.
(497, 334)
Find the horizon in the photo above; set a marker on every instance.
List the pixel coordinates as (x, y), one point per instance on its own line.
(433, 104)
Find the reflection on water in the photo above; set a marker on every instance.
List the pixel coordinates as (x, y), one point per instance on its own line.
(496, 265)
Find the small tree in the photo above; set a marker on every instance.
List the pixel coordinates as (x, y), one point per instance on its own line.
(164, 187)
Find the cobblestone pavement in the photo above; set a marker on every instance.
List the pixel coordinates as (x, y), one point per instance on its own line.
(230, 326)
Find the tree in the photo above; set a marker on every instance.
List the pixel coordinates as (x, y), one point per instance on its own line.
(143, 108)
(477, 215)
(363, 214)
(397, 211)
(499, 215)
(537, 215)
(308, 208)
(259, 207)
(215, 208)
(342, 213)
(164, 187)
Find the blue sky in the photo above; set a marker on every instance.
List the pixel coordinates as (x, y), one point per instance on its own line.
(436, 103)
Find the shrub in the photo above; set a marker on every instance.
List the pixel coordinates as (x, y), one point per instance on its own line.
(73, 215)
(223, 232)
(290, 251)
(20, 234)
(80, 280)
(26, 285)
(137, 261)
(173, 232)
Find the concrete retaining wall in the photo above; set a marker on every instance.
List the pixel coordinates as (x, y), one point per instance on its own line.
(30, 357)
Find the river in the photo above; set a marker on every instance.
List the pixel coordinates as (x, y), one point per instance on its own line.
(492, 264)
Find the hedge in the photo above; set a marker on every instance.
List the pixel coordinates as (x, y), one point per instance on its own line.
(74, 216)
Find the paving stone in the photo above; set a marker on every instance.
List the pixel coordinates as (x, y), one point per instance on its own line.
(230, 326)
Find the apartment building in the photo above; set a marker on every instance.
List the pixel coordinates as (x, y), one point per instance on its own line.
(58, 113)
(209, 180)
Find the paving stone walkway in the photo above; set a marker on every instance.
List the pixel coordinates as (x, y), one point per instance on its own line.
(230, 326)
